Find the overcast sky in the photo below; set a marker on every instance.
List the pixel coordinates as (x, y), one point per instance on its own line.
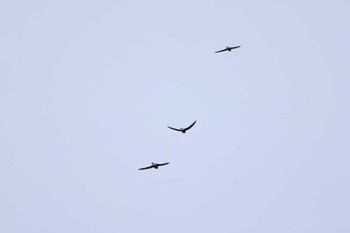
(87, 89)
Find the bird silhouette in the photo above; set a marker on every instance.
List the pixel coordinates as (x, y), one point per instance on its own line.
(183, 130)
(154, 165)
(228, 49)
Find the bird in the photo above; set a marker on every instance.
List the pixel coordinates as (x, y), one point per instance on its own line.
(228, 49)
(154, 165)
(183, 130)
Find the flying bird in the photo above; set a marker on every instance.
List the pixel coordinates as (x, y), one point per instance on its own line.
(154, 165)
(228, 49)
(183, 130)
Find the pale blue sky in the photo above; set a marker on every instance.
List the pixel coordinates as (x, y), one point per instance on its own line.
(87, 89)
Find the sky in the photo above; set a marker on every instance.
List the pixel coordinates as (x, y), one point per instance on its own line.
(88, 88)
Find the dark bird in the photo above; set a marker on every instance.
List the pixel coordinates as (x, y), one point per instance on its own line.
(183, 129)
(154, 165)
(228, 49)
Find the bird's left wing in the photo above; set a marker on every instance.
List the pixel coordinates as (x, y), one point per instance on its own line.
(162, 164)
(235, 47)
(191, 125)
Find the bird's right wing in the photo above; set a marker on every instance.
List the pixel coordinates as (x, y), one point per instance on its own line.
(144, 168)
(221, 51)
(173, 128)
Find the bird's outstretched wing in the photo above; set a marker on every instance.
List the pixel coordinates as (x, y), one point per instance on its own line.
(191, 125)
(144, 168)
(174, 128)
(223, 50)
(235, 47)
(162, 164)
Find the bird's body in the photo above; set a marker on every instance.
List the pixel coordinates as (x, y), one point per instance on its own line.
(228, 49)
(154, 165)
(183, 130)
